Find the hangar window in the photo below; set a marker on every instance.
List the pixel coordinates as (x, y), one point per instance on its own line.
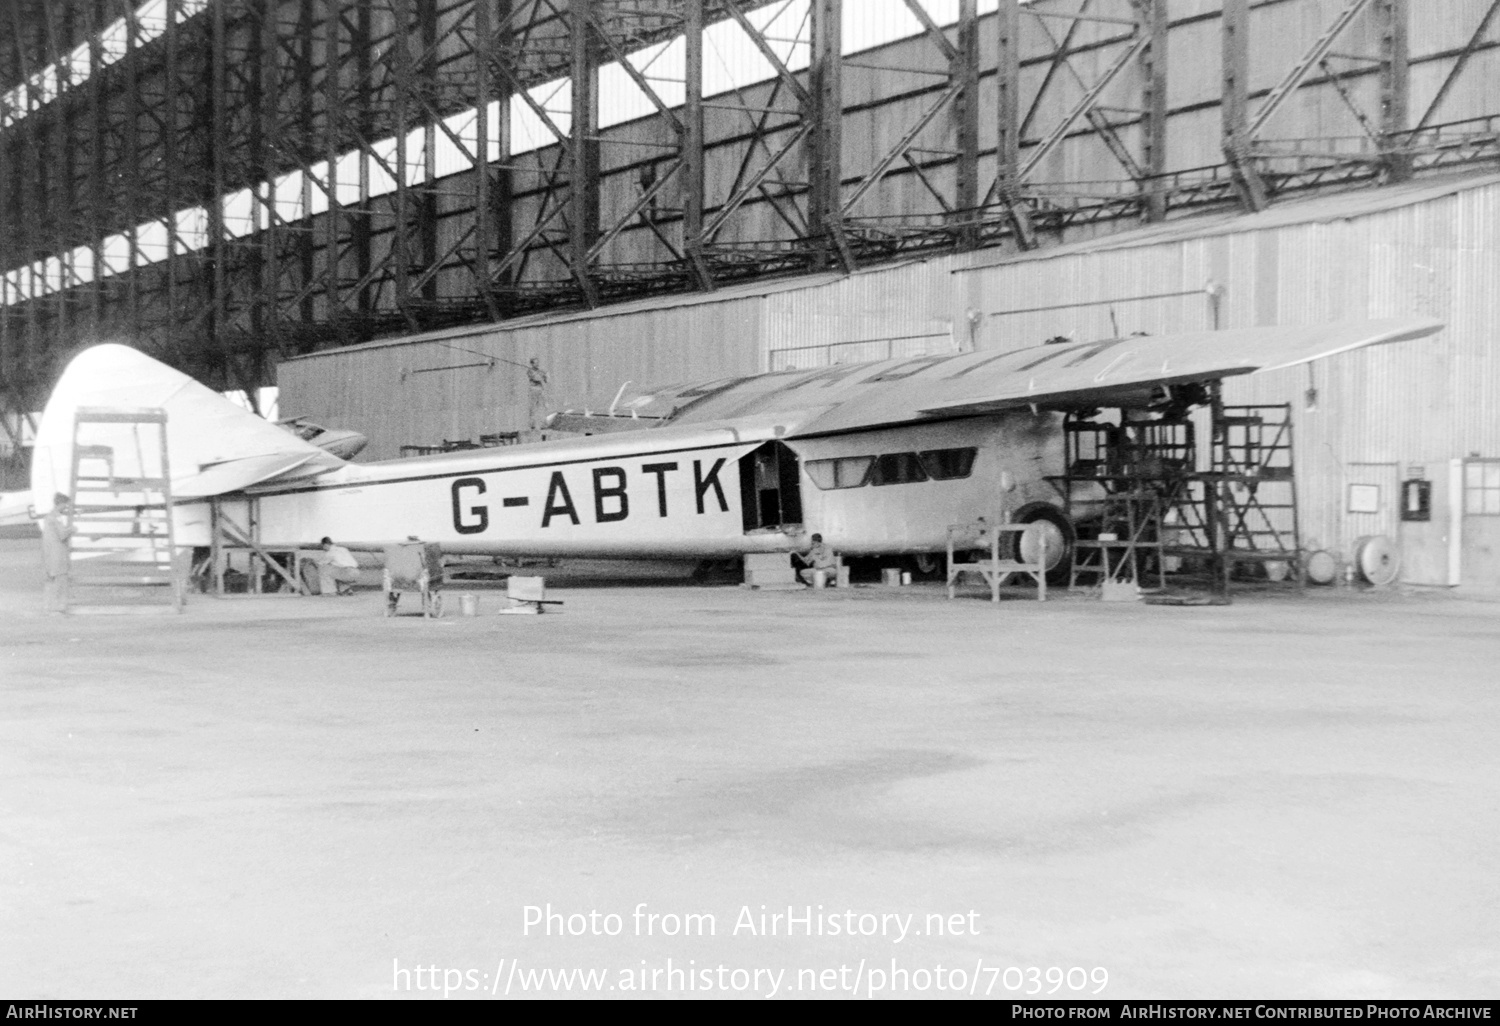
(898, 468)
(948, 464)
(845, 472)
(1482, 487)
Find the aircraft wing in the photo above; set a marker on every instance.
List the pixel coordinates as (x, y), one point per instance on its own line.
(1111, 372)
(1097, 373)
(213, 446)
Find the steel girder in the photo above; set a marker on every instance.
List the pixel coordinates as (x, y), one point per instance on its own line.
(1261, 166)
(432, 222)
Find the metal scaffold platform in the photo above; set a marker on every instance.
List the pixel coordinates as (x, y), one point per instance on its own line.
(1153, 508)
(1241, 513)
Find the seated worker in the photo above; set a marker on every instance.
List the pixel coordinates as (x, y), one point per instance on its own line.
(819, 557)
(337, 569)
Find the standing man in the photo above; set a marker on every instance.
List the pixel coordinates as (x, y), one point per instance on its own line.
(337, 569)
(537, 379)
(57, 529)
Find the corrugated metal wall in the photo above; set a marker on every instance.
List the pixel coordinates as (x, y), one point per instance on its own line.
(444, 387)
(906, 310)
(1416, 404)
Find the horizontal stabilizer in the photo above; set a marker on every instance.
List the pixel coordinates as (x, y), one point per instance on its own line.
(237, 475)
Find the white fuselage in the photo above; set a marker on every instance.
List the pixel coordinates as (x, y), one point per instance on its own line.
(674, 491)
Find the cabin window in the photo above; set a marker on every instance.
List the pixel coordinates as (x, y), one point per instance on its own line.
(898, 468)
(948, 464)
(845, 472)
(893, 468)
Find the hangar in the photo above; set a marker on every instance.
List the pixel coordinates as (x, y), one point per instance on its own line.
(428, 220)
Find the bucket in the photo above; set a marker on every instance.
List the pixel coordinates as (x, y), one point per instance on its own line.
(890, 577)
(820, 578)
(905, 577)
(469, 605)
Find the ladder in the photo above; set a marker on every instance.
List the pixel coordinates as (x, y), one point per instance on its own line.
(1132, 533)
(1253, 453)
(121, 551)
(1242, 510)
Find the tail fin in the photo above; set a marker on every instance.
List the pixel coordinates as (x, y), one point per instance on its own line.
(213, 445)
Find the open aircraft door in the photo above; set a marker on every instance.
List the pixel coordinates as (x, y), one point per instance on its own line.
(770, 487)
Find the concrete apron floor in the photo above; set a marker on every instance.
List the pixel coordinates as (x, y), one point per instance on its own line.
(1290, 796)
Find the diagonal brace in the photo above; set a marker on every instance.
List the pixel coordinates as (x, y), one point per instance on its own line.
(1083, 106)
(1303, 67)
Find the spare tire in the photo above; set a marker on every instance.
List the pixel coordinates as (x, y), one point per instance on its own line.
(1377, 559)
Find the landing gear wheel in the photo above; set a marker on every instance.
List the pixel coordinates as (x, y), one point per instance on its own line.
(1058, 531)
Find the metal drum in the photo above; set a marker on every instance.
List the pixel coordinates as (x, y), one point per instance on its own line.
(1322, 568)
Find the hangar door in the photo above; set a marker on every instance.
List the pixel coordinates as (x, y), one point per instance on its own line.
(1481, 534)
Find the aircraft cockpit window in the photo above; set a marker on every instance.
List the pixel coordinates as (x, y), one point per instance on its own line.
(949, 464)
(846, 472)
(898, 468)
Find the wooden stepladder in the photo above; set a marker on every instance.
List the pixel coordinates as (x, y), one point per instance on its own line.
(981, 540)
(121, 552)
